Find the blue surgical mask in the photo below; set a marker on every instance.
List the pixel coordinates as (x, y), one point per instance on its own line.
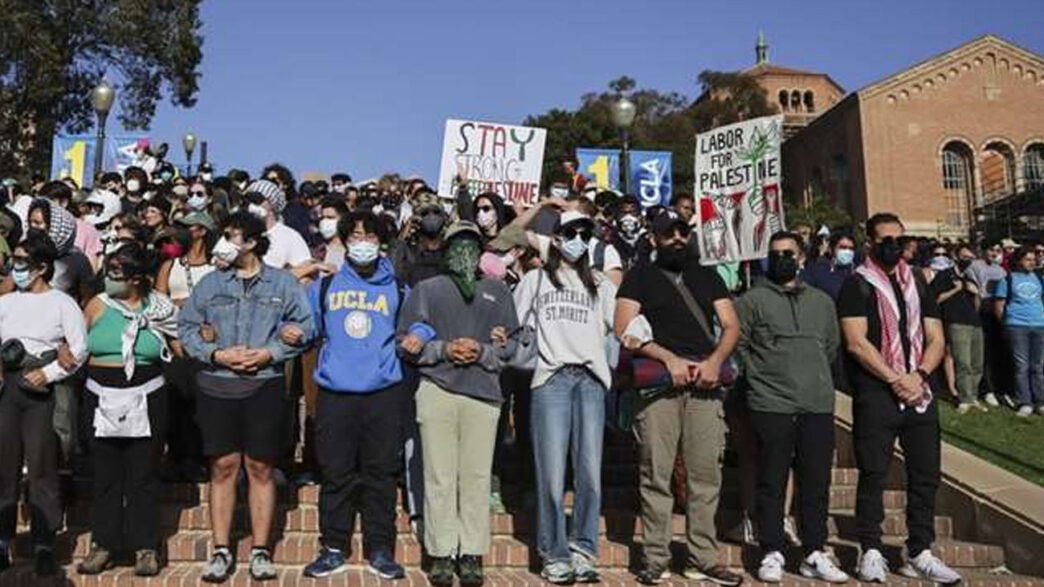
(844, 257)
(363, 253)
(573, 249)
(197, 201)
(23, 278)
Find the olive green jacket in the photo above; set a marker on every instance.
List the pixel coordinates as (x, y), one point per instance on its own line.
(788, 340)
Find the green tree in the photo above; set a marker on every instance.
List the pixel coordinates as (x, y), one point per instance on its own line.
(665, 121)
(52, 52)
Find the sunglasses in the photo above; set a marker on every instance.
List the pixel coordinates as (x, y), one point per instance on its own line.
(569, 233)
(485, 208)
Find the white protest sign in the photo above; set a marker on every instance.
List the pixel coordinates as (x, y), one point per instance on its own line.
(492, 157)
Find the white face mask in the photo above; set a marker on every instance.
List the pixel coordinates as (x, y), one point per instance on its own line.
(180, 190)
(328, 228)
(197, 202)
(206, 176)
(258, 210)
(486, 218)
(225, 252)
(133, 185)
(559, 192)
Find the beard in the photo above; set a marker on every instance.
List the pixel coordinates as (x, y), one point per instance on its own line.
(673, 257)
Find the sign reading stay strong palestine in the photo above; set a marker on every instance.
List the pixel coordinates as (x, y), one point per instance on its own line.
(491, 157)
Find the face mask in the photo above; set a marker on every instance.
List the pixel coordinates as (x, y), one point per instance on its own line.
(180, 190)
(963, 264)
(449, 208)
(328, 228)
(559, 192)
(782, 268)
(362, 254)
(206, 176)
(171, 250)
(844, 257)
(486, 218)
(887, 253)
(672, 258)
(338, 189)
(133, 186)
(431, 224)
(94, 219)
(941, 263)
(258, 210)
(241, 185)
(116, 289)
(462, 260)
(995, 261)
(23, 278)
(508, 259)
(197, 202)
(390, 202)
(573, 249)
(225, 251)
(111, 246)
(630, 224)
(167, 177)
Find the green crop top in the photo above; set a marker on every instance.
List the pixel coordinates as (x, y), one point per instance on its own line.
(104, 341)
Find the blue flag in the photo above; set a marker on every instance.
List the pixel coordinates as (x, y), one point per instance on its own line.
(651, 177)
(73, 156)
(601, 167)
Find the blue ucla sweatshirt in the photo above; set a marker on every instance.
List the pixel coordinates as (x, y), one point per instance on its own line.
(359, 353)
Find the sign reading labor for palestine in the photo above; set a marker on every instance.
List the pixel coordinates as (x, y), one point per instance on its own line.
(491, 157)
(738, 179)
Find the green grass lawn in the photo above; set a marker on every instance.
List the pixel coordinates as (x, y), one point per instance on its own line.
(1012, 443)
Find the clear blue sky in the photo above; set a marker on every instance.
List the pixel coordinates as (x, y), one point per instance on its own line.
(365, 87)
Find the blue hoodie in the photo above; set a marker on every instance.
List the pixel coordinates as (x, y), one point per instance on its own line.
(359, 353)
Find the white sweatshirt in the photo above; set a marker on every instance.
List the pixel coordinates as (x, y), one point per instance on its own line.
(43, 321)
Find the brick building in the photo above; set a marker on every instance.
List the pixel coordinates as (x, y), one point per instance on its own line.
(931, 143)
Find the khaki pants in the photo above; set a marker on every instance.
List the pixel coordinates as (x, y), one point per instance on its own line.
(457, 437)
(696, 420)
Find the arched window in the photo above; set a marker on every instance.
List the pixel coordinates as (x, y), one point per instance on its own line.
(784, 100)
(997, 171)
(1033, 166)
(810, 105)
(957, 181)
(795, 101)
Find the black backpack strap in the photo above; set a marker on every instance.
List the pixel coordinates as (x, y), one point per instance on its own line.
(324, 288)
(598, 256)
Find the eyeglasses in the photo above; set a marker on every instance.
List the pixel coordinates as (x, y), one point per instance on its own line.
(569, 233)
(485, 208)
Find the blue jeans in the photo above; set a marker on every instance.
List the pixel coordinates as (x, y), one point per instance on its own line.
(1027, 345)
(568, 410)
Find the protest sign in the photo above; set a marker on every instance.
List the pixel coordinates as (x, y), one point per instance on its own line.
(601, 167)
(738, 179)
(491, 157)
(651, 177)
(73, 156)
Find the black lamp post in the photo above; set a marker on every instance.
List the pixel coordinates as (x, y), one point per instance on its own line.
(102, 97)
(189, 142)
(624, 112)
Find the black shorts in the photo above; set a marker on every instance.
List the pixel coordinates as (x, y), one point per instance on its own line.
(255, 425)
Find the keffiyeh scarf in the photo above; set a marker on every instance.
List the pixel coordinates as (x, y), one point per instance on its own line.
(160, 317)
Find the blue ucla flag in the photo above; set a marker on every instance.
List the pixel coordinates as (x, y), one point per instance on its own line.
(73, 156)
(651, 177)
(600, 166)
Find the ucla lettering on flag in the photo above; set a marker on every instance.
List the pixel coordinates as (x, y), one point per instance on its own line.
(738, 178)
(601, 167)
(492, 157)
(651, 177)
(73, 156)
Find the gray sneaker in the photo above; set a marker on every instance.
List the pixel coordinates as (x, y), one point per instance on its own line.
(261, 567)
(558, 573)
(584, 568)
(220, 567)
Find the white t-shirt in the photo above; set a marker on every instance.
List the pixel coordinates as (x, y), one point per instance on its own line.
(43, 321)
(572, 328)
(286, 247)
(612, 256)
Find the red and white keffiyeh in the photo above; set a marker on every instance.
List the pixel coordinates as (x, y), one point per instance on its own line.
(888, 310)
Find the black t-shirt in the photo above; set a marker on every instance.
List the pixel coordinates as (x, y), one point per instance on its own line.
(960, 308)
(858, 299)
(674, 327)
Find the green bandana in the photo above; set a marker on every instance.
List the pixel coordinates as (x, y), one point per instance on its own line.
(462, 259)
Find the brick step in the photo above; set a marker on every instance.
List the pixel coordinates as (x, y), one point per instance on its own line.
(295, 548)
(305, 518)
(184, 575)
(841, 496)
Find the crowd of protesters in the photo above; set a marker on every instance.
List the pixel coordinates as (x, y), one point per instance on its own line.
(168, 328)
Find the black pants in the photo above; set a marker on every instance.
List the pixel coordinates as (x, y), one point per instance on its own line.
(410, 443)
(184, 437)
(127, 485)
(878, 421)
(358, 437)
(27, 432)
(807, 442)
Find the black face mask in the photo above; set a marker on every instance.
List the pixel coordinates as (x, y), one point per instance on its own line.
(963, 264)
(672, 258)
(782, 267)
(887, 252)
(431, 224)
(390, 202)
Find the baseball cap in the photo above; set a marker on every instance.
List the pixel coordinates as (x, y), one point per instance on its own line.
(198, 219)
(462, 227)
(666, 221)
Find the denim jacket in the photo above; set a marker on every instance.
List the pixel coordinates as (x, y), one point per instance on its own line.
(248, 316)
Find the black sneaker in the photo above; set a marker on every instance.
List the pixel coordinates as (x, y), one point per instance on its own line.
(441, 572)
(652, 575)
(44, 564)
(5, 556)
(471, 570)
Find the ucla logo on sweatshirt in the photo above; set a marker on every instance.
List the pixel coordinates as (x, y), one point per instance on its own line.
(358, 300)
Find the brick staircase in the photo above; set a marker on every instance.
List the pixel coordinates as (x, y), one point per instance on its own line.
(510, 560)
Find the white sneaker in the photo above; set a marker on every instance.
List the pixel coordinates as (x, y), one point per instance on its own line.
(992, 399)
(927, 566)
(771, 570)
(872, 567)
(964, 408)
(819, 566)
(1040, 410)
(1025, 412)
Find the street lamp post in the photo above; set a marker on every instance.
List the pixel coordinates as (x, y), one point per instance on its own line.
(624, 111)
(189, 142)
(102, 97)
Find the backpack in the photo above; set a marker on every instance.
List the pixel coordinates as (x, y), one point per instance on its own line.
(598, 256)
